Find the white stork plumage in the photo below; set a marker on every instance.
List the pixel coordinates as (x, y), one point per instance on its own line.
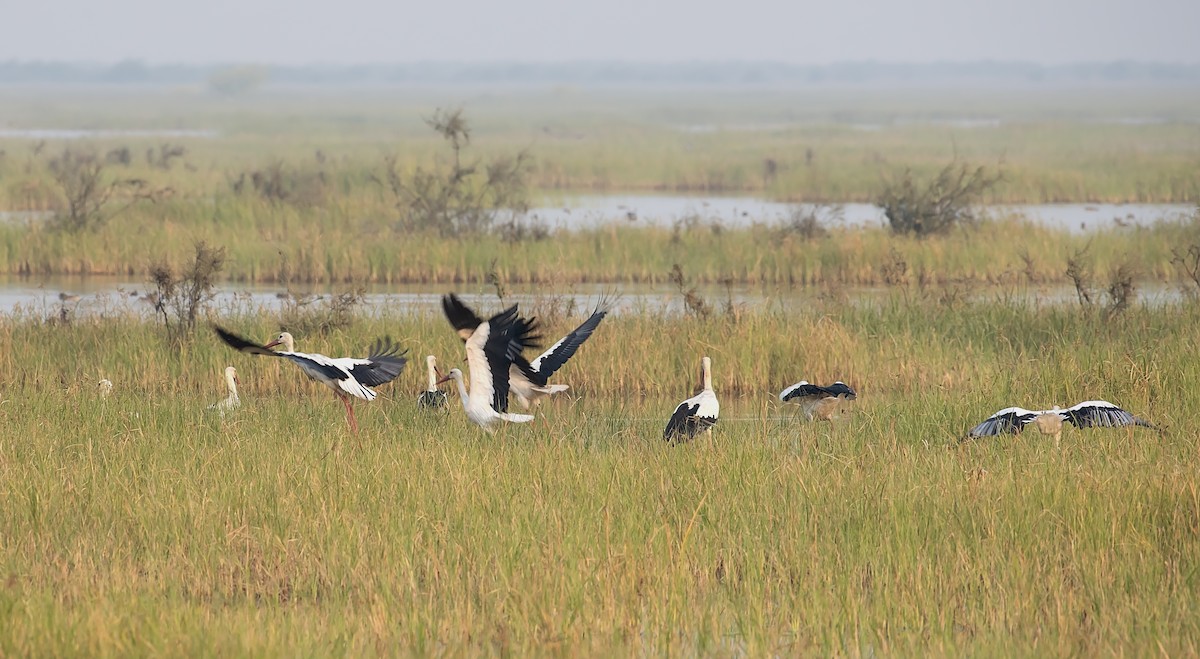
(529, 381)
(104, 388)
(432, 398)
(1088, 414)
(231, 401)
(818, 402)
(489, 357)
(696, 414)
(347, 376)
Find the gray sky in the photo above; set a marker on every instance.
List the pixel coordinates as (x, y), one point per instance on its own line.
(804, 32)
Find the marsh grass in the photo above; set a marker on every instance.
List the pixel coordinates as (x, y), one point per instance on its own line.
(141, 524)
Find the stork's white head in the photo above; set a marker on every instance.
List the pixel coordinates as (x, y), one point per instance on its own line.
(231, 378)
(284, 339)
(454, 374)
(104, 387)
(431, 367)
(706, 371)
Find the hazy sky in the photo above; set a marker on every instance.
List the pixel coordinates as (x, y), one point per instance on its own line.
(806, 32)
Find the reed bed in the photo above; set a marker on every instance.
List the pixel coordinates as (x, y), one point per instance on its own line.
(145, 524)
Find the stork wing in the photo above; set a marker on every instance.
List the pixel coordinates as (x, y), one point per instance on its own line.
(242, 344)
(1101, 414)
(802, 389)
(1008, 420)
(558, 354)
(460, 316)
(680, 422)
(384, 364)
(839, 388)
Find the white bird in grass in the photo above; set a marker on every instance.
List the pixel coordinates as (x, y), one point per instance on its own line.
(1088, 414)
(816, 401)
(696, 414)
(104, 388)
(231, 402)
(432, 398)
(347, 376)
(489, 356)
(529, 381)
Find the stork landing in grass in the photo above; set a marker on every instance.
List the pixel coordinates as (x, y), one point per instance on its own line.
(231, 402)
(816, 401)
(347, 376)
(529, 381)
(696, 414)
(432, 398)
(489, 356)
(1089, 414)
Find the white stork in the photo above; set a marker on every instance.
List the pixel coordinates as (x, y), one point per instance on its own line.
(104, 388)
(347, 376)
(432, 398)
(696, 414)
(489, 352)
(529, 381)
(816, 401)
(231, 402)
(1088, 414)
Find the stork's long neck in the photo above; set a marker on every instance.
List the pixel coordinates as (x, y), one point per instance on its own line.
(462, 390)
(706, 366)
(232, 384)
(432, 375)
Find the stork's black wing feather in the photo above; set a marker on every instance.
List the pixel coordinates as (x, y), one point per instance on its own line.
(462, 319)
(242, 344)
(840, 388)
(807, 390)
(558, 354)
(384, 364)
(503, 327)
(1101, 414)
(678, 423)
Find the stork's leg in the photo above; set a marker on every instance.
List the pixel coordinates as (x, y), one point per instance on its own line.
(350, 413)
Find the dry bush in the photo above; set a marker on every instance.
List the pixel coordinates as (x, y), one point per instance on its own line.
(461, 198)
(90, 197)
(179, 298)
(936, 206)
(308, 315)
(693, 302)
(279, 184)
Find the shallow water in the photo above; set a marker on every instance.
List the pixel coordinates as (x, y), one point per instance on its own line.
(732, 212)
(47, 297)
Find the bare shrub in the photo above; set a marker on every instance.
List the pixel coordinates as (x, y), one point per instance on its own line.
(180, 298)
(1079, 271)
(924, 208)
(1121, 289)
(811, 221)
(693, 302)
(162, 157)
(91, 198)
(1187, 262)
(459, 198)
(308, 315)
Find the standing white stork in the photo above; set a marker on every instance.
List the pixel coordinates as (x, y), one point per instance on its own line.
(489, 350)
(696, 414)
(231, 402)
(432, 398)
(347, 376)
(1088, 414)
(529, 381)
(816, 401)
(104, 388)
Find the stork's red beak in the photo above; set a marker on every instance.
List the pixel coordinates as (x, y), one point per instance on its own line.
(272, 344)
(236, 380)
(445, 379)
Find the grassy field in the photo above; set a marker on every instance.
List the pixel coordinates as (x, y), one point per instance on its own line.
(143, 524)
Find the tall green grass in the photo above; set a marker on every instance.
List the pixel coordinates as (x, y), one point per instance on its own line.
(145, 524)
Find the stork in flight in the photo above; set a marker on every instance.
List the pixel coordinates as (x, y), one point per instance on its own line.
(489, 357)
(818, 402)
(347, 376)
(1088, 414)
(529, 381)
(696, 414)
(432, 398)
(231, 402)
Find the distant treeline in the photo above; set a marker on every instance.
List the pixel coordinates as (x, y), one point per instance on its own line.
(600, 73)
